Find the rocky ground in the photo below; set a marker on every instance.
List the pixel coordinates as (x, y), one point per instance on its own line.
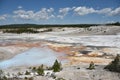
(74, 47)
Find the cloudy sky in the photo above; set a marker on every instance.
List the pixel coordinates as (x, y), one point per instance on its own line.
(59, 11)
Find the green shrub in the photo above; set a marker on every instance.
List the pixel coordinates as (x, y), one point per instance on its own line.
(4, 78)
(1, 74)
(26, 78)
(91, 66)
(114, 65)
(40, 70)
(56, 66)
(34, 69)
(19, 73)
(21, 30)
(27, 73)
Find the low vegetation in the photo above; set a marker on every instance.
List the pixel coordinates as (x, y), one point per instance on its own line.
(114, 65)
(35, 26)
(19, 73)
(32, 28)
(40, 70)
(18, 31)
(56, 66)
(2, 76)
(91, 66)
(116, 24)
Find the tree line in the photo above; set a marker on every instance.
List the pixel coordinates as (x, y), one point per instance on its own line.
(25, 26)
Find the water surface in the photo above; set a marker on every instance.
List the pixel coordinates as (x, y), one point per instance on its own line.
(34, 56)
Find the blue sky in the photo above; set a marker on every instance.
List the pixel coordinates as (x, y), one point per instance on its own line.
(59, 11)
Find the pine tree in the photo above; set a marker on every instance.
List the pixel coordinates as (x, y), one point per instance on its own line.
(56, 66)
(114, 65)
(40, 70)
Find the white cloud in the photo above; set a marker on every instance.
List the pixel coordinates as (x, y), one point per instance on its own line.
(50, 10)
(104, 11)
(23, 14)
(107, 11)
(3, 17)
(115, 12)
(60, 16)
(43, 14)
(63, 12)
(48, 13)
(19, 7)
(83, 10)
(110, 21)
